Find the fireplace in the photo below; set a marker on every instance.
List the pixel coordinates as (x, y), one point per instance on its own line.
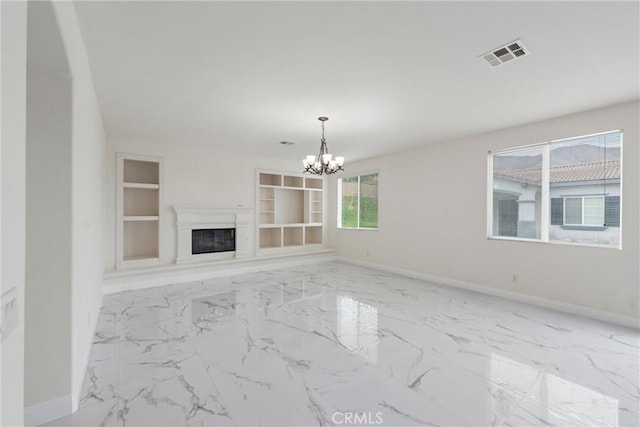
(210, 240)
(211, 233)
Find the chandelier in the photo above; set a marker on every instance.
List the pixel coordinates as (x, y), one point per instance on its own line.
(323, 162)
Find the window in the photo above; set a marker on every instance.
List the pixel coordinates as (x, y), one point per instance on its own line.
(516, 193)
(358, 202)
(559, 191)
(587, 210)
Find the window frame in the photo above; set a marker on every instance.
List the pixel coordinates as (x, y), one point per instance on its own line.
(339, 200)
(545, 203)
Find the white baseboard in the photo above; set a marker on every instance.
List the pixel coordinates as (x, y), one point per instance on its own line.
(47, 411)
(515, 296)
(128, 280)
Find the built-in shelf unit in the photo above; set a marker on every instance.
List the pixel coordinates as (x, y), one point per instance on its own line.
(289, 211)
(138, 202)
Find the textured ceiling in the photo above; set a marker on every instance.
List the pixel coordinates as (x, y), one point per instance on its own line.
(242, 76)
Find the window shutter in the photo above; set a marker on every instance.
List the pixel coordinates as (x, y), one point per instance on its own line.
(612, 211)
(557, 214)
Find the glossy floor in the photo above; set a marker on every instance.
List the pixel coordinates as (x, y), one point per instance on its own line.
(339, 344)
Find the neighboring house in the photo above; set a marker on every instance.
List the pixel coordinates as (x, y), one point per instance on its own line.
(585, 202)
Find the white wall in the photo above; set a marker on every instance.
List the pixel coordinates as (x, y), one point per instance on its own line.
(12, 152)
(48, 213)
(48, 233)
(427, 227)
(87, 209)
(192, 175)
(66, 148)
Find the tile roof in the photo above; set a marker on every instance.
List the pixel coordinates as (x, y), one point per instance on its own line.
(567, 173)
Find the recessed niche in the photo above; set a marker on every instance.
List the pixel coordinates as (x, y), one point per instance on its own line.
(270, 237)
(292, 236)
(292, 181)
(270, 179)
(140, 240)
(312, 235)
(290, 206)
(140, 202)
(139, 171)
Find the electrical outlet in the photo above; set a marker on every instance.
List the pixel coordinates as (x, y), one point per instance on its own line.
(9, 314)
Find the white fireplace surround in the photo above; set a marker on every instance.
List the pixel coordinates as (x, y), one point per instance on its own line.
(194, 217)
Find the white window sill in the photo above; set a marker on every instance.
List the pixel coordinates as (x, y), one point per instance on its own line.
(357, 228)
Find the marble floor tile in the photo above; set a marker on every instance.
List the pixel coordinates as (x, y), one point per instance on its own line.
(103, 414)
(369, 391)
(336, 344)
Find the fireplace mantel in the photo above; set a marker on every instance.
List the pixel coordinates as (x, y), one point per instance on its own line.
(193, 217)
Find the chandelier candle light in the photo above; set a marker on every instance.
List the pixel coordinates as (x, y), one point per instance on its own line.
(323, 162)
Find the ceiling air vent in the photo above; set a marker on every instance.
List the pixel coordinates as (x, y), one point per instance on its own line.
(505, 53)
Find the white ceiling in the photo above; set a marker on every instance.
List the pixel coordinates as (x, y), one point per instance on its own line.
(243, 76)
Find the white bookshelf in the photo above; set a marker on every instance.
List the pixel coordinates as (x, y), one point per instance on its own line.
(289, 214)
(139, 198)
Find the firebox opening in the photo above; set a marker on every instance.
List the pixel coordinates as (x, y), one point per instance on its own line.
(205, 241)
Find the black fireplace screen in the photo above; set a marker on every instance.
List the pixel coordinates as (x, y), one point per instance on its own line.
(213, 240)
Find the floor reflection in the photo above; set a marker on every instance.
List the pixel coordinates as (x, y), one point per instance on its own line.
(511, 373)
(552, 397)
(560, 397)
(357, 327)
